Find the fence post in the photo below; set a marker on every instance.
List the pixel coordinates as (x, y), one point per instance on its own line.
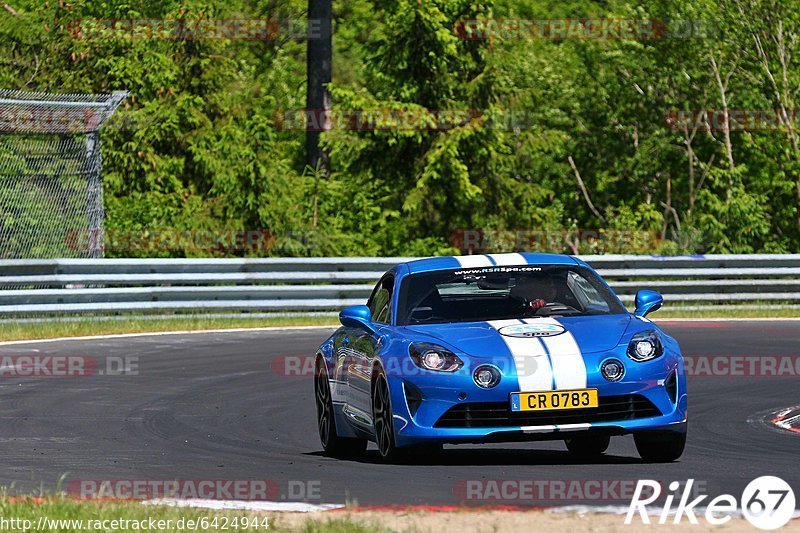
(50, 173)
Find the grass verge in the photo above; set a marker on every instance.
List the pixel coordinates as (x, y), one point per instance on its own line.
(62, 515)
(726, 312)
(59, 514)
(11, 330)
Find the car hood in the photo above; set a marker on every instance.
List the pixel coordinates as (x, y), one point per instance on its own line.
(482, 339)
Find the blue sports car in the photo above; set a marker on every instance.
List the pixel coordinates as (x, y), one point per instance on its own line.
(497, 348)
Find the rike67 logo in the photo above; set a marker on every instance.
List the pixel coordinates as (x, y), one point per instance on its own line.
(767, 503)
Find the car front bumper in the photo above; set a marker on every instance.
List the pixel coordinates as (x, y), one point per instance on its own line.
(432, 408)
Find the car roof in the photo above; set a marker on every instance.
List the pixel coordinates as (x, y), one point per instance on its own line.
(480, 261)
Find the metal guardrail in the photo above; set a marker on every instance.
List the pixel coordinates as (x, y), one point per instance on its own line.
(70, 286)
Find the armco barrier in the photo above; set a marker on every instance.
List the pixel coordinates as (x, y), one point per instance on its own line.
(326, 284)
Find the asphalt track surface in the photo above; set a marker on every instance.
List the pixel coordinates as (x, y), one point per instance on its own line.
(214, 406)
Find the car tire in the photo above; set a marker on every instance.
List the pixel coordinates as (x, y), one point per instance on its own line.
(332, 443)
(588, 446)
(383, 421)
(660, 446)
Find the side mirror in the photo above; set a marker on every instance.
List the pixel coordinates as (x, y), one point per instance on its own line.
(357, 316)
(647, 302)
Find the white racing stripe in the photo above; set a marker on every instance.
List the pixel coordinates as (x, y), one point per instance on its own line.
(544, 362)
(473, 261)
(508, 259)
(533, 367)
(530, 358)
(569, 369)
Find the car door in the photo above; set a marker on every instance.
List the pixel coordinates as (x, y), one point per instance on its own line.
(362, 350)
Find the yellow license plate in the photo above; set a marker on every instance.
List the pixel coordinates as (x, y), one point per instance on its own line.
(554, 400)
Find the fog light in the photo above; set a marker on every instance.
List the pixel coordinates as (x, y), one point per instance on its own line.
(612, 370)
(486, 376)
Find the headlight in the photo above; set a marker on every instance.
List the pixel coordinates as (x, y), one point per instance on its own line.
(433, 357)
(645, 345)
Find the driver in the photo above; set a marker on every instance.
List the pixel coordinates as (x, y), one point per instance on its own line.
(535, 291)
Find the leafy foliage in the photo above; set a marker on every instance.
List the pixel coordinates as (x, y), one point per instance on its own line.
(559, 135)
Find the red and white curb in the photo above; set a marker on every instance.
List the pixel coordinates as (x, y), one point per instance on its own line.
(787, 419)
(300, 507)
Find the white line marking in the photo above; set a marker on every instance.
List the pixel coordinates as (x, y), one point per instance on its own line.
(165, 333)
(288, 507)
(508, 259)
(473, 261)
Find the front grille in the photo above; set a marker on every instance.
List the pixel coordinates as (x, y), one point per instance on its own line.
(499, 414)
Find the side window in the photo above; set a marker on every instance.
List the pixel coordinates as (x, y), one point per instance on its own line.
(585, 293)
(380, 303)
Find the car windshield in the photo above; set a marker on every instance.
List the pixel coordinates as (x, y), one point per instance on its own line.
(495, 293)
